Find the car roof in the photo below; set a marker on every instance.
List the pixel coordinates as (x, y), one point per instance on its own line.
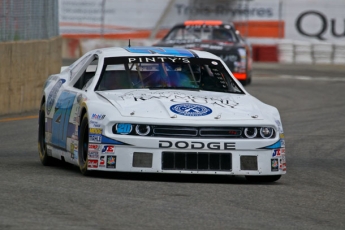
(152, 51)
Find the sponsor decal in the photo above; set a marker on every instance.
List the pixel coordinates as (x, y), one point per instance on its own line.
(95, 124)
(108, 149)
(52, 95)
(74, 150)
(93, 147)
(95, 138)
(111, 162)
(192, 110)
(92, 164)
(102, 161)
(282, 165)
(93, 155)
(209, 46)
(96, 131)
(75, 155)
(71, 148)
(197, 145)
(276, 153)
(281, 135)
(282, 143)
(228, 57)
(97, 116)
(180, 98)
(274, 165)
(157, 59)
(280, 127)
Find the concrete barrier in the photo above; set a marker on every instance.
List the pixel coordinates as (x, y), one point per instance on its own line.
(24, 67)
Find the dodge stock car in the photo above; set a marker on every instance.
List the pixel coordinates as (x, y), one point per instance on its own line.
(158, 110)
(215, 37)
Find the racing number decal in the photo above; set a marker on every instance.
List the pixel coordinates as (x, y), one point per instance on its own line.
(61, 118)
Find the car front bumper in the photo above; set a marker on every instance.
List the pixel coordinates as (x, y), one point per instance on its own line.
(182, 161)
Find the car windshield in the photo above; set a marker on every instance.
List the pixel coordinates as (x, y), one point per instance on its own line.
(202, 33)
(165, 73)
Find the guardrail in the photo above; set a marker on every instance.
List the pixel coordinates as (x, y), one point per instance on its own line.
(313, 52)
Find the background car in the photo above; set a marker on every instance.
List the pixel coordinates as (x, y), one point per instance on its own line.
(158, 110)
(215, 37)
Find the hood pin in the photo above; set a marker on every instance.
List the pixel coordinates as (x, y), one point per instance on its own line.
(218, 117)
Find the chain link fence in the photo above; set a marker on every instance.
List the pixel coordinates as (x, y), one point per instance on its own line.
(28, 20)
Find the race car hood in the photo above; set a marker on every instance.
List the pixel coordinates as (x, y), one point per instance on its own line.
(182, 104)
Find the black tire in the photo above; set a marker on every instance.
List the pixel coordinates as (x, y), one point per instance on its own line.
(244, 83)
(83, 146)
(42, 145)
(263, 179)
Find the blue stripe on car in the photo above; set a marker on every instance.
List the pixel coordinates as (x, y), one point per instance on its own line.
(159, 50)
(276, 145)
(107, 140)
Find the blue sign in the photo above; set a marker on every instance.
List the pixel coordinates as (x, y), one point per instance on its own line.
(191, 110)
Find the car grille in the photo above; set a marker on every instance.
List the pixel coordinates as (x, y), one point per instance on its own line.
(206, 132)
(201, 161)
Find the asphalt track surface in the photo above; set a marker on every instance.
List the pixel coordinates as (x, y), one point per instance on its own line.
(309, 196)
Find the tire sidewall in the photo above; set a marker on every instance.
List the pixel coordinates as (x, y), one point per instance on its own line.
(84, 130)
(42, 146)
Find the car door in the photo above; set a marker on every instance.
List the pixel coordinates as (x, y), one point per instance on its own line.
(62, 128)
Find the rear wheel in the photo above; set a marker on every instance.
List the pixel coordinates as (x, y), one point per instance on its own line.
(83, 146)
(263, 179)
(42, 145)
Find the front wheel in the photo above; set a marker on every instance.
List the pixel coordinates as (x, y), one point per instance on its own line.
(83, 146)
(42, 145)
(263, 179)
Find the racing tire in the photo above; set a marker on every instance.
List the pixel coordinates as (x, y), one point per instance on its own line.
(42, 145)
(83, 146)
(244, 83)
(263, 179)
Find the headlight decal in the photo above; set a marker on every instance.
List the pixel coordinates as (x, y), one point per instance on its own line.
(123, 128)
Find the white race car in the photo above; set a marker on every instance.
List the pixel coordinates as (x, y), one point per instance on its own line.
(158, 110)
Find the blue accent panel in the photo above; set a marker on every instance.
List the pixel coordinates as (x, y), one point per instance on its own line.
(276, 145)
(107, 140)
(159, 50)
(61, 118)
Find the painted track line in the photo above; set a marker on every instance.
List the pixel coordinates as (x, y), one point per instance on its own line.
(18, 118)
(302, 78)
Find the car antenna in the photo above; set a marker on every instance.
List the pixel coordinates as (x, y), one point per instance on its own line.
(129, 42)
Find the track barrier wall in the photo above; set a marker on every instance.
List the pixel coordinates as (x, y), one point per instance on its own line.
(24, 67)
